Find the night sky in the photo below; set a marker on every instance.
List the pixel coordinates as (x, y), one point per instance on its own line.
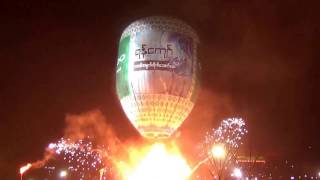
(260, 61)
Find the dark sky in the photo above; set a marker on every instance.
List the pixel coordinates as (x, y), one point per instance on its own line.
(260, 60)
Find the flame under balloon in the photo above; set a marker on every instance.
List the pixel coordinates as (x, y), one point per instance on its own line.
(155, 162)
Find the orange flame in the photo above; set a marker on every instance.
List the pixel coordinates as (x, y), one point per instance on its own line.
(25, 168)
(156, 163)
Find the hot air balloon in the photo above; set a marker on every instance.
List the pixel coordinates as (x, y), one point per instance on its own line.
(157, 74)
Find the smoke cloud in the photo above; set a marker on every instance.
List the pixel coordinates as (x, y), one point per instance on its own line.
(93, 125)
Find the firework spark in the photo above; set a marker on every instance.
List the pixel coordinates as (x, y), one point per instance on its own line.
(220, 145)
(229, 133)
(85, 148)
(79, 155)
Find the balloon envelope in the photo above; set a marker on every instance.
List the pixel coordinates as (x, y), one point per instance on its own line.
(157, 74)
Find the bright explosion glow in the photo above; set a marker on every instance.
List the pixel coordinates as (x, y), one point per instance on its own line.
(156, 163)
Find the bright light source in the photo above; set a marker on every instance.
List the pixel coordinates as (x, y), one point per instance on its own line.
(218, 151)
(51, 146)
(237, 173)
(63, 173)
(25, 168)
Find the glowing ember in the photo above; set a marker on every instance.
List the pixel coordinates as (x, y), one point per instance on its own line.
(25, 168)
(157, 163)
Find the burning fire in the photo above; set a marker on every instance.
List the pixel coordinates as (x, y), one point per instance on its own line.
(25, 168)
(156, 163)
